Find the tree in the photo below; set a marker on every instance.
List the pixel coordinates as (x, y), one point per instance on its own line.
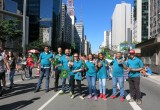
(38, 44)
(9, 30)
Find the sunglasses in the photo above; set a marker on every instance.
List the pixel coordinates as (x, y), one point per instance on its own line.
(75, 56)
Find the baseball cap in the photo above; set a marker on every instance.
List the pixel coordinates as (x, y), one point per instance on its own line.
(132, 52)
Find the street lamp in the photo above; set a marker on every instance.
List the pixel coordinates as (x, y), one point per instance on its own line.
(24, 27)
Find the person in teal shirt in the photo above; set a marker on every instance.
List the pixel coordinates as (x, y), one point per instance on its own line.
(45, 59)
(76, 74)
(135, 65)
(57, 68)
(118, 75)
(102, 75)
(91, 76)
(64, 64)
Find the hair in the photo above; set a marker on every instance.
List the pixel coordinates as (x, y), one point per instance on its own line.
(74, 54)
(91, 55)
(11, 54)
(119, 52)
(46, 46)
(102, 55)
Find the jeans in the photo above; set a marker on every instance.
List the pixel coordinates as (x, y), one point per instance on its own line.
(72, 82)
(47, 72)
(119, 80)
(30, 71)
(63, 84)
(92, 84)
(134, 87)
(57, 73)
(102, 86)
(11, 76)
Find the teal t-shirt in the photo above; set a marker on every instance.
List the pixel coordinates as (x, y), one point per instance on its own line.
(59, 57)
(134, 63)
(117, 70)
(102, 72)
(45, 59)
(91, 69)
(76, 66)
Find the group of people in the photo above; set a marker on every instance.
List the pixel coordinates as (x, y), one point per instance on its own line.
(9, 63)
(96, 70)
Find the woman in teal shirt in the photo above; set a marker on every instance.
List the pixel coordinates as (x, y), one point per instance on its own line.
(102, 75)
(75, 74)
(91, 77)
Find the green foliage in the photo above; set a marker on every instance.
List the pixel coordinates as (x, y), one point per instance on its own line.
(10, 29)
(125, 48)
(125, 42)
(39, 45)
(135, 42)
(73, 45)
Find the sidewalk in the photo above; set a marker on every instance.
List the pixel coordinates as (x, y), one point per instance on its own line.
(154, 78)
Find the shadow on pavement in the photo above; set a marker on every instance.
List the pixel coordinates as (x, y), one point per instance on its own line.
(142, 93)
(18, 89)
(18, 105)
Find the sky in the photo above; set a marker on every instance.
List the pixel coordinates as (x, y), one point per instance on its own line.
(96, 16)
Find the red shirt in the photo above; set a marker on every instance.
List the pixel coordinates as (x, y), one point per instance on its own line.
(30, 62)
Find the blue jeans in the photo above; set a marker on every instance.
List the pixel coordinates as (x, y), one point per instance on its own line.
(11, 76)
(63, 84)
(119, 80)
(47, 72)
(102, 86)
(92, 84)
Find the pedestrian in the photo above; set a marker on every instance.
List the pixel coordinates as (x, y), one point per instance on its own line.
(118, 76)
(76, 74)
(45, 61)
(30, 64)
(57, 68)
(91, 77)
(102, 75)
(3, 62)
(64, 63)
(12, 63)
(135, 66)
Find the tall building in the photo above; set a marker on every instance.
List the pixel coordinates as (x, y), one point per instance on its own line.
(79, 37)
(1, 8)
(141, 20)
(154, 18)
(66, 23)
(121, 25)
(33, 12)
(107, 41)
(71, 13)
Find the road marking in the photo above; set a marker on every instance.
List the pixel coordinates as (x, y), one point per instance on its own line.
(133, 104)
(152, 80)
(49, 101)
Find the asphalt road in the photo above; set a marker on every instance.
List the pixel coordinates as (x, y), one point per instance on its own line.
(22, 97)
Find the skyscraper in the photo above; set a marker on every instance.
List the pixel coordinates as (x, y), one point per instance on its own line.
(121, 25)
(141, 19)
(1, 7)
(33, 12)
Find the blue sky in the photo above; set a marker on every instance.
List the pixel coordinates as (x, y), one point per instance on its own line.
(97, 18)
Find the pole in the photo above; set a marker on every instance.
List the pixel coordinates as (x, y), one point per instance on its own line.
(24, 27)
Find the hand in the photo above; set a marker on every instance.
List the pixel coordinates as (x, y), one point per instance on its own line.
(74, 71)
(129, 69)
(99, 64)
(56, 67)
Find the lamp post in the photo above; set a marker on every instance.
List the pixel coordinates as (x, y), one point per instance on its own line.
(24, 27)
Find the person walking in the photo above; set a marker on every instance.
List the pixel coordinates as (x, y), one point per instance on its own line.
(118, 76)
(3, 62)
(91, 77)
(58, 68)
(45, 61)
(135, 65)
(12, 63)
(76, 74)
(30, 64)
(102, 75)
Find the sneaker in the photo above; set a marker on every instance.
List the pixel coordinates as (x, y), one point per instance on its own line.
(72, 97)
(56, 89)
(61, 92)
(47, 90)
(131, 100)
(104, 97)
(89, 96)
(95, 98)
(70, 93)
(100, 96)
(37, 90)
(113, 97)
(81, 97)
(139, 101)
(122, 99)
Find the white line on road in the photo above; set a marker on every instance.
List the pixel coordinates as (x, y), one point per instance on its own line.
(133, 104)
(49, 101)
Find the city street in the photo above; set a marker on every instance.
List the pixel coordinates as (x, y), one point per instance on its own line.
(22, 97)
